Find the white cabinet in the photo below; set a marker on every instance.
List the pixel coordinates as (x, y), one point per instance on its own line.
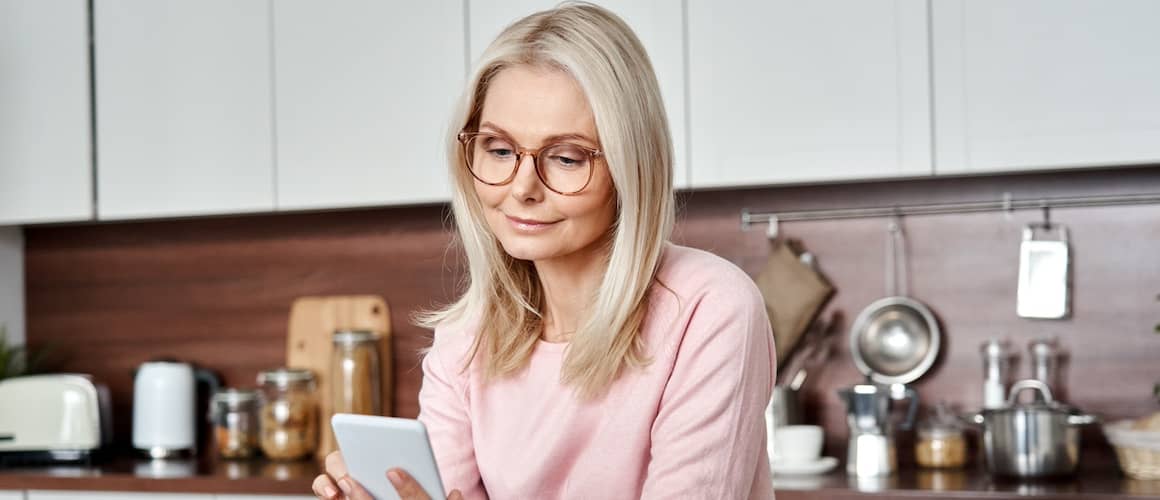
(12, 495)
(1045, 84)
(111, 495)
(183, 107)
(45, 120)
(658, 23)
(785, 91)
(364, 91)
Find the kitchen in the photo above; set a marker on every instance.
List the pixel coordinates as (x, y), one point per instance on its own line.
(149, 243)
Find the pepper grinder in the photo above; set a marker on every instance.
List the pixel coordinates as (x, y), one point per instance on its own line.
(1045, 364)
(996, 372)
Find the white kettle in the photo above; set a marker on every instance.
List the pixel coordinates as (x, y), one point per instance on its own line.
(165, 407)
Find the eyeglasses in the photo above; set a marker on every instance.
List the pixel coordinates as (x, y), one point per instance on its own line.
(493, 159)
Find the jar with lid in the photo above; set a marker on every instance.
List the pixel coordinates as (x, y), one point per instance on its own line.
(355, 374)
(234, 416)
(289, 416)
(941, 441)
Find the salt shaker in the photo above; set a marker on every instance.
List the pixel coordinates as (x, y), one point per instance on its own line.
(1045, 364)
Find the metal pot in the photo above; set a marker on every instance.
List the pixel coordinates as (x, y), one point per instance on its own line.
(1037, 439)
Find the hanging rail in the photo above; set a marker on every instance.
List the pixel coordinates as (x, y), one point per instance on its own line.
(1007, 204)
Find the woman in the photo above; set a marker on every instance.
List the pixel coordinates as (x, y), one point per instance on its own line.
(588, 357)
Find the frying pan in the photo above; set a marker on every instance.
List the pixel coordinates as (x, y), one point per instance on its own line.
(896, 339)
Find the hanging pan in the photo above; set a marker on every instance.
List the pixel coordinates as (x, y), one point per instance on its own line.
(895, 340)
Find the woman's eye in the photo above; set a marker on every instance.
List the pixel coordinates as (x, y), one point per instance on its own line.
(566, 161)
(500, 152)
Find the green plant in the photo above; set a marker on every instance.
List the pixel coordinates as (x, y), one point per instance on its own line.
(17, 360)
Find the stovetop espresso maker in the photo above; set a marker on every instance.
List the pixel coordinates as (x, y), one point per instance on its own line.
(871, 451)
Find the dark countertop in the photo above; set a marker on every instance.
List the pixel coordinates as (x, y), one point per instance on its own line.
(1096, 479)
(193, 476)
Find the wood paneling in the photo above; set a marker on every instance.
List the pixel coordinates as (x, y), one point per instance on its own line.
(217, 291)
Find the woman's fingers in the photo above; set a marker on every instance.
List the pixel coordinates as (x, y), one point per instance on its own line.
(406, 486)
(324, 487)
(335, 465)
(455, 495)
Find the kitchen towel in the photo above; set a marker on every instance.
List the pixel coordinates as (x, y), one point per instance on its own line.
(794, 293)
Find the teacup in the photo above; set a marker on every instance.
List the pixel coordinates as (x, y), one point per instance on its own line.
(797, 443)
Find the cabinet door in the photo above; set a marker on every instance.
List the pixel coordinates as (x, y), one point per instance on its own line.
(1045, 84)
(785, 91)
(11, 495)
(111, 495)
(658, 24)
(364, 92)
(45, 120)
(183, 107)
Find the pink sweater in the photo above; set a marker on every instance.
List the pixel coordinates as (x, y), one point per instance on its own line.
(689, 425)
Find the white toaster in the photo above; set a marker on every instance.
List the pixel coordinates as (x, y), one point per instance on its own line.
(53, 419)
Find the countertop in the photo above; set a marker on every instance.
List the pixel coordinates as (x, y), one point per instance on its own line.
(1096, 479)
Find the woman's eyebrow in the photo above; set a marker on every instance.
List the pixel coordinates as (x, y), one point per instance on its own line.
(547, 140)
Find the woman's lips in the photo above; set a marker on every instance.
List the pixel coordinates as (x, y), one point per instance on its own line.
(529, 225)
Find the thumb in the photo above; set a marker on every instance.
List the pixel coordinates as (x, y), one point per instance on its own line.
(455, 495)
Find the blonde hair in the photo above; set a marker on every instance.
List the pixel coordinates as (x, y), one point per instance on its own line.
(503, 296)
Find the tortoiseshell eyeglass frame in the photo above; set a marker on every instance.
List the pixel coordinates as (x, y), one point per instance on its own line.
(593, 154)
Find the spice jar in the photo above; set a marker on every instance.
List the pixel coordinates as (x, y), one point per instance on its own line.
(354, 373)
(289, 416)
(234, 415)
(941, 443)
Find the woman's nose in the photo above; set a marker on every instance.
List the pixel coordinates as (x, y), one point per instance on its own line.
(526, 185)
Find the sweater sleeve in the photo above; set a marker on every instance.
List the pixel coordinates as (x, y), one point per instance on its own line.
(708, 440)
(443, 409)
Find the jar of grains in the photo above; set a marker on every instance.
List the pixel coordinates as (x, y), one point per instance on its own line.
(289, 416)
(941, 441)
(234, 415)
(355, 373)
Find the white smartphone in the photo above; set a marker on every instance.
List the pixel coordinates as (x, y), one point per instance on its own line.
(373, 445)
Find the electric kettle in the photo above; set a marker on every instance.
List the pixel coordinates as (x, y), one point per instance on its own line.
(165, 407)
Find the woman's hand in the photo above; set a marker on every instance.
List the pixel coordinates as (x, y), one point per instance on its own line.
(337, 484)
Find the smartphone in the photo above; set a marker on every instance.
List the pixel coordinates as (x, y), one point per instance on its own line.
(373, 445)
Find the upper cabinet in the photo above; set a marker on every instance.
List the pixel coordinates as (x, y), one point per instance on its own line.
(658, 24)
(183, 106)
(786, 91)
(45, 117)
(1045, 84)
(364, 90)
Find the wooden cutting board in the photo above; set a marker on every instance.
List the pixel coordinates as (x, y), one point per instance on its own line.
(313, 321)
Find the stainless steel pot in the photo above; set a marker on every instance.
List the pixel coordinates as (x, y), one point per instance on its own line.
(1035, 439)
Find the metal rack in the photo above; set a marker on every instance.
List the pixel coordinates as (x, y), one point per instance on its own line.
(1006, 204)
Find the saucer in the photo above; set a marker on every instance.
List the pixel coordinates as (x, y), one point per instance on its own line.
(820, 465)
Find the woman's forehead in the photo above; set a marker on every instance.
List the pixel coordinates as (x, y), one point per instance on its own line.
(532, 103)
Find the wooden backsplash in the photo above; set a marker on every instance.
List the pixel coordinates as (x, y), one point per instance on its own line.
(217, 291)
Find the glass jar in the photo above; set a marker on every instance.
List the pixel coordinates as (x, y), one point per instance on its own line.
(941, 441)
(355, 378)
(289, 416)
(234, 415)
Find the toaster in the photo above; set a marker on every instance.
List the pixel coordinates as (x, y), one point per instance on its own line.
(60, 418)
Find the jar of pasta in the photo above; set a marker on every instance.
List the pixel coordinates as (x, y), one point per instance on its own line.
(941, 441)
(355, 377)
(289, 416)
(234, 415)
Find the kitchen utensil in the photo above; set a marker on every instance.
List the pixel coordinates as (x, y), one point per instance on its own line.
(794, 293)
(896, 339)
(871, 451)
(997, 357)
(53, 419)
(310, 344)
(1036, 439)
(1043, 275)
(821, 465)
(165, 414)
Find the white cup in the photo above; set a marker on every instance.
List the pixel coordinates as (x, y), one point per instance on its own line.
(797, 443)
